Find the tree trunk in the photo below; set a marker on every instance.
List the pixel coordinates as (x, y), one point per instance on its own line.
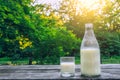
(30, 60)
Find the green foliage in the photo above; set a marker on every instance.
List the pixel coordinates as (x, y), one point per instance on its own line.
(109, 43)
(105, 18)
(110, 16)
(38, 33)
(15, 22)
(27, 33)
(54, 41)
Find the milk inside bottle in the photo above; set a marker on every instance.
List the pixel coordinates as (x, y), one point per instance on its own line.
(90, 53)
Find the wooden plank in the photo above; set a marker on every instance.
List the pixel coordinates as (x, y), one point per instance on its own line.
(109, 71)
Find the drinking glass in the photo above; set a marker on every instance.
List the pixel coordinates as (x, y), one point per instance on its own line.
(67, 66)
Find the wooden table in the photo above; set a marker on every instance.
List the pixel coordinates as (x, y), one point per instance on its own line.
(38, 72)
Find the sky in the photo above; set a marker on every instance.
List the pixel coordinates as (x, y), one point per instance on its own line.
(55, 3)
(91, 4)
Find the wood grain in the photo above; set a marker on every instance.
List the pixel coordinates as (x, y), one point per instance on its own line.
(52, 72)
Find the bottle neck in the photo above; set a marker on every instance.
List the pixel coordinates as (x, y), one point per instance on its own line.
(89, 40)
(89, 33)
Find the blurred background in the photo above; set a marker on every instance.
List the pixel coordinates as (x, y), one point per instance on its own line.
(41, 31)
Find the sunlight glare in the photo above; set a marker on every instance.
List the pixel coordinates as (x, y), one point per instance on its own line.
(93, 4)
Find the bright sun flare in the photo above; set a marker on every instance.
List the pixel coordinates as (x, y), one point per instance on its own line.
(90, 3)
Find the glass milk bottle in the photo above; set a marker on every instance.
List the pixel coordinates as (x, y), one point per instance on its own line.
(90, 53)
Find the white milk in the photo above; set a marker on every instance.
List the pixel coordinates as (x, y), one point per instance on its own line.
(68, 67)
(90, 62)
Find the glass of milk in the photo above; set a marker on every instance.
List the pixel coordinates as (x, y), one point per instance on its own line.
(67, 65)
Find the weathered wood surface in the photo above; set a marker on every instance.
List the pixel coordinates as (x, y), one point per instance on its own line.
(38, 72)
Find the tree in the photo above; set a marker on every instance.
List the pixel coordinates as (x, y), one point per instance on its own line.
(27, 31)
(103, 14)
(110, 15)
(54, 39)
(105, 17)
(15, 24)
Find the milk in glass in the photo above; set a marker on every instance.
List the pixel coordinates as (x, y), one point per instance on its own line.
(67, 65)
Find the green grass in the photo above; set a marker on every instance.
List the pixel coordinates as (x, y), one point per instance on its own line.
(111, 60)
(105, 60)
(7, 61)
(4, 59)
